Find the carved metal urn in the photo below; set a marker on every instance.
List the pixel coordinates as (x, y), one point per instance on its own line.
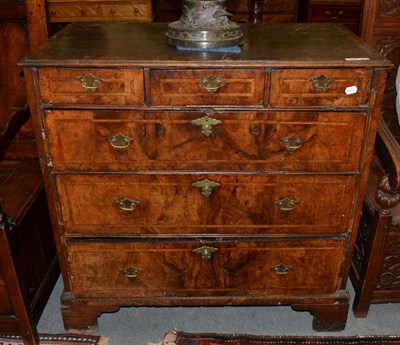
(204, 24)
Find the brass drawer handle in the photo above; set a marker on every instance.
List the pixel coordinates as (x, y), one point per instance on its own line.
(90, 82)
(281, 269)
(127, 205)
(330, 16)
(206, 186)
(211, 83)
(131, 272)
(286, 204)
(206, 124)
(322, 83)
(119, 141)
(291, 143)
(205, 252)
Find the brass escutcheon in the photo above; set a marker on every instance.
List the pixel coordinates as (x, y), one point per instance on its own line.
(281, 269)
(286, 204)
(322, 83)
(131, 272)
(206, 186)
(206, 124)
(127, 205)
(291, 143)
(90, 82)
(211, 83)
(205, 252)
(119, 141)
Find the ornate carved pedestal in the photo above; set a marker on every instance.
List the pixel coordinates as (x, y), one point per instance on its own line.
(204, 24)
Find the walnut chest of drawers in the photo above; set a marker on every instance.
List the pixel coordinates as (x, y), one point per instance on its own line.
(181, 178)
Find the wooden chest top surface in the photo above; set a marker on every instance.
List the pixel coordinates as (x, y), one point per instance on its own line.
(266, 45)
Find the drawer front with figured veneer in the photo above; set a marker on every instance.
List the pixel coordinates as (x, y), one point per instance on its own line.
(128, 270)
(181, 205)
(214, 140)
(320, 87)
(75, 86)
(81, 11)
(235, 87)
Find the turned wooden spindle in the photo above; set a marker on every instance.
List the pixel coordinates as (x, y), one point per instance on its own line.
(256, 9)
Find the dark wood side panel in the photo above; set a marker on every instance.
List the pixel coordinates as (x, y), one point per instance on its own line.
(5, 303)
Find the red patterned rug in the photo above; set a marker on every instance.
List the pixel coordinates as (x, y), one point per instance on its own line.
(57, 339)
(182, 338)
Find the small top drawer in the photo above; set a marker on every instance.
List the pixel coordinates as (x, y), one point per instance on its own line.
(335, 13)
(207, 87)
(91, 86)
(83, 11)
(320, 87)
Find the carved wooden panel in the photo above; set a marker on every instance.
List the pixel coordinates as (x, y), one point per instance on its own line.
(389, 278)
(389, 8)
(381, 28)
(121, 140)
(91, 86)
(388, 44)
(207, 87)
(174, 204)
(102, 269)
(361, 246)
(319, 87)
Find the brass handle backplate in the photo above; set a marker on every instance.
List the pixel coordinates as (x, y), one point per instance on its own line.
(291, 143)
(90, 82)
(281, 269)
(322, 83)
(205, 252)
(211, 83)
(119, 141)
(206, 124)
(206, 186)
(286, 204)
(127, 205)
(131, 272)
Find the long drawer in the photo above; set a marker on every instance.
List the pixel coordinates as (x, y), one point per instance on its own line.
(181, 205)
(237, 141)
(129, 269)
